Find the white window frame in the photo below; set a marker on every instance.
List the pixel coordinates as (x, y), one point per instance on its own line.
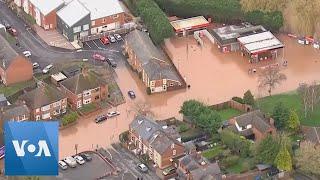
(174, 152)
(85, 27)
(38, 117)
(76, 29)
(45, 108)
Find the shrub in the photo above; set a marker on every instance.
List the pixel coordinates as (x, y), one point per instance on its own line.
(124, 137)
(183, 128)
(69, 118)
(148, 91)
(238, 99)
(230, 161)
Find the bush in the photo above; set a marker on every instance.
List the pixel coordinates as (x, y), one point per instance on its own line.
(273, 21)
(148, 91)
(183, 128)
(124, 137)
(238, 99)
(230, 161)
(235, 143)
(69, 118)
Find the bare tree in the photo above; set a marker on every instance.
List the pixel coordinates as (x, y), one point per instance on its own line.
(310, 95)
(142, 108)
(270, 77)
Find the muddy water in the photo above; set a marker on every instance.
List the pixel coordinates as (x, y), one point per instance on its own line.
(214, 77)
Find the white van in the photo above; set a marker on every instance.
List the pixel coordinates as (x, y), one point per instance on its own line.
(47, 69)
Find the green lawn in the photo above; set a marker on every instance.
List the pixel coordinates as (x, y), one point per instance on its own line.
(88, 108)
(229, 113)
(292, 101)
(12, 89)
(213, 152)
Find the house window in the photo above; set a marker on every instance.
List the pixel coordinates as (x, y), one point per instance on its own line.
(97, 89)
(93, 23)
(152, 83)
(86, 93)
(56, 104)
(37, 110)
(37, 117)
(45, 108)
(79, 95)
(172, 146)
(115, 16)
(76, 29)
(56, 112)
(88, 101)
(85, 27)
(97, 97)
(79, 104)
(103, 20)
(171, 84)
(174, 152)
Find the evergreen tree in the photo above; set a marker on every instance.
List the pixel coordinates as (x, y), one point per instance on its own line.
(283, 159)
(293, 121)
(248, 98)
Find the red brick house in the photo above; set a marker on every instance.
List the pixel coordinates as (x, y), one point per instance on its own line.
(45, 102)
(105, 15)
(44, 12)
(253, 125)
(13, 67)
(151, 64)
(150, 138)
(84, 88)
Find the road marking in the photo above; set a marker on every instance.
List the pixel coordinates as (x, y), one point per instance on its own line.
(95, 44)
(88, 45)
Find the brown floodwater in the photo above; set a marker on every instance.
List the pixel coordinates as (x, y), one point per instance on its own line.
(213, 76)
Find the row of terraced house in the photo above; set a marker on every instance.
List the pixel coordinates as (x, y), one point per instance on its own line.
(75, 18)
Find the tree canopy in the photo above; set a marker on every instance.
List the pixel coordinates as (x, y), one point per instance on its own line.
(293, 123)
(283, 159)
(308, 158)
(267, 150)
(236, 143)
(202, 116)
(280, 115)
(248, 98)
(273, 21)
(155, 19)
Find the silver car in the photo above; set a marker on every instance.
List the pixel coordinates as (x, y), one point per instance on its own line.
(63, 165)
(70, 161)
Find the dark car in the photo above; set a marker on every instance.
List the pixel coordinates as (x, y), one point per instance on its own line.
(86, 156)
(273, 171)
(101, 118)
(131, 94)
(111, 62)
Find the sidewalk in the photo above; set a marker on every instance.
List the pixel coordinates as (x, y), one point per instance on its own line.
(54, 38)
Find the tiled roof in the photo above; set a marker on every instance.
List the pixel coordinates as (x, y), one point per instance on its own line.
(255, 118)
(12, 111)
(154, 62)
(42, 96)
(81, 82)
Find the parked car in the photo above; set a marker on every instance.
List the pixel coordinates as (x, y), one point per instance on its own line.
(143, 168)
(168, 171)
(113, 114)
(131, 94)
(118, 37)
(101, 118)
(70, 161)
(63, 165)
(27, 53)
(112, 62)
(86, 156)
(104, 40)
(99, 57)
(35, 65)
(47, 69)
(12, 31)
(112, 38)
(79, 159)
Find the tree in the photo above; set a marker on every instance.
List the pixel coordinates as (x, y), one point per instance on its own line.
(248, 98)
(273, 21)
(283, 159)
(236, 143)
(280, 115)
(293, 123)
(307, 158)
(142, 108)
(310, 95)
(266, 150)
(191, 108)
(209, 120)
(270, 77)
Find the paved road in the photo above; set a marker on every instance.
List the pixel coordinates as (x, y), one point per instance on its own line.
(41, 52)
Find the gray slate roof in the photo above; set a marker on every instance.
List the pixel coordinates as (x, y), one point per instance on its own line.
(12, 111)
(80, 82)
(42, 96)
(160, 142)
(7, 53)
(144, 126)
(154, 61)
(256, 118)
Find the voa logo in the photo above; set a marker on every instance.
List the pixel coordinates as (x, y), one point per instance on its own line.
(42, 147)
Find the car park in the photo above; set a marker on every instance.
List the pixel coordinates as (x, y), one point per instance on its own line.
(131, 94)
(99, 57)
(35, 65)
(105, 40)
(143, 168)
(101, 118)
(47, 69)
(111, 62)
(118, 37)
(168, 171)
(27, 53)
(62, 165)
(70, 161)
(113, 114)
(112, 38)
(79, 159)
(86, 156)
